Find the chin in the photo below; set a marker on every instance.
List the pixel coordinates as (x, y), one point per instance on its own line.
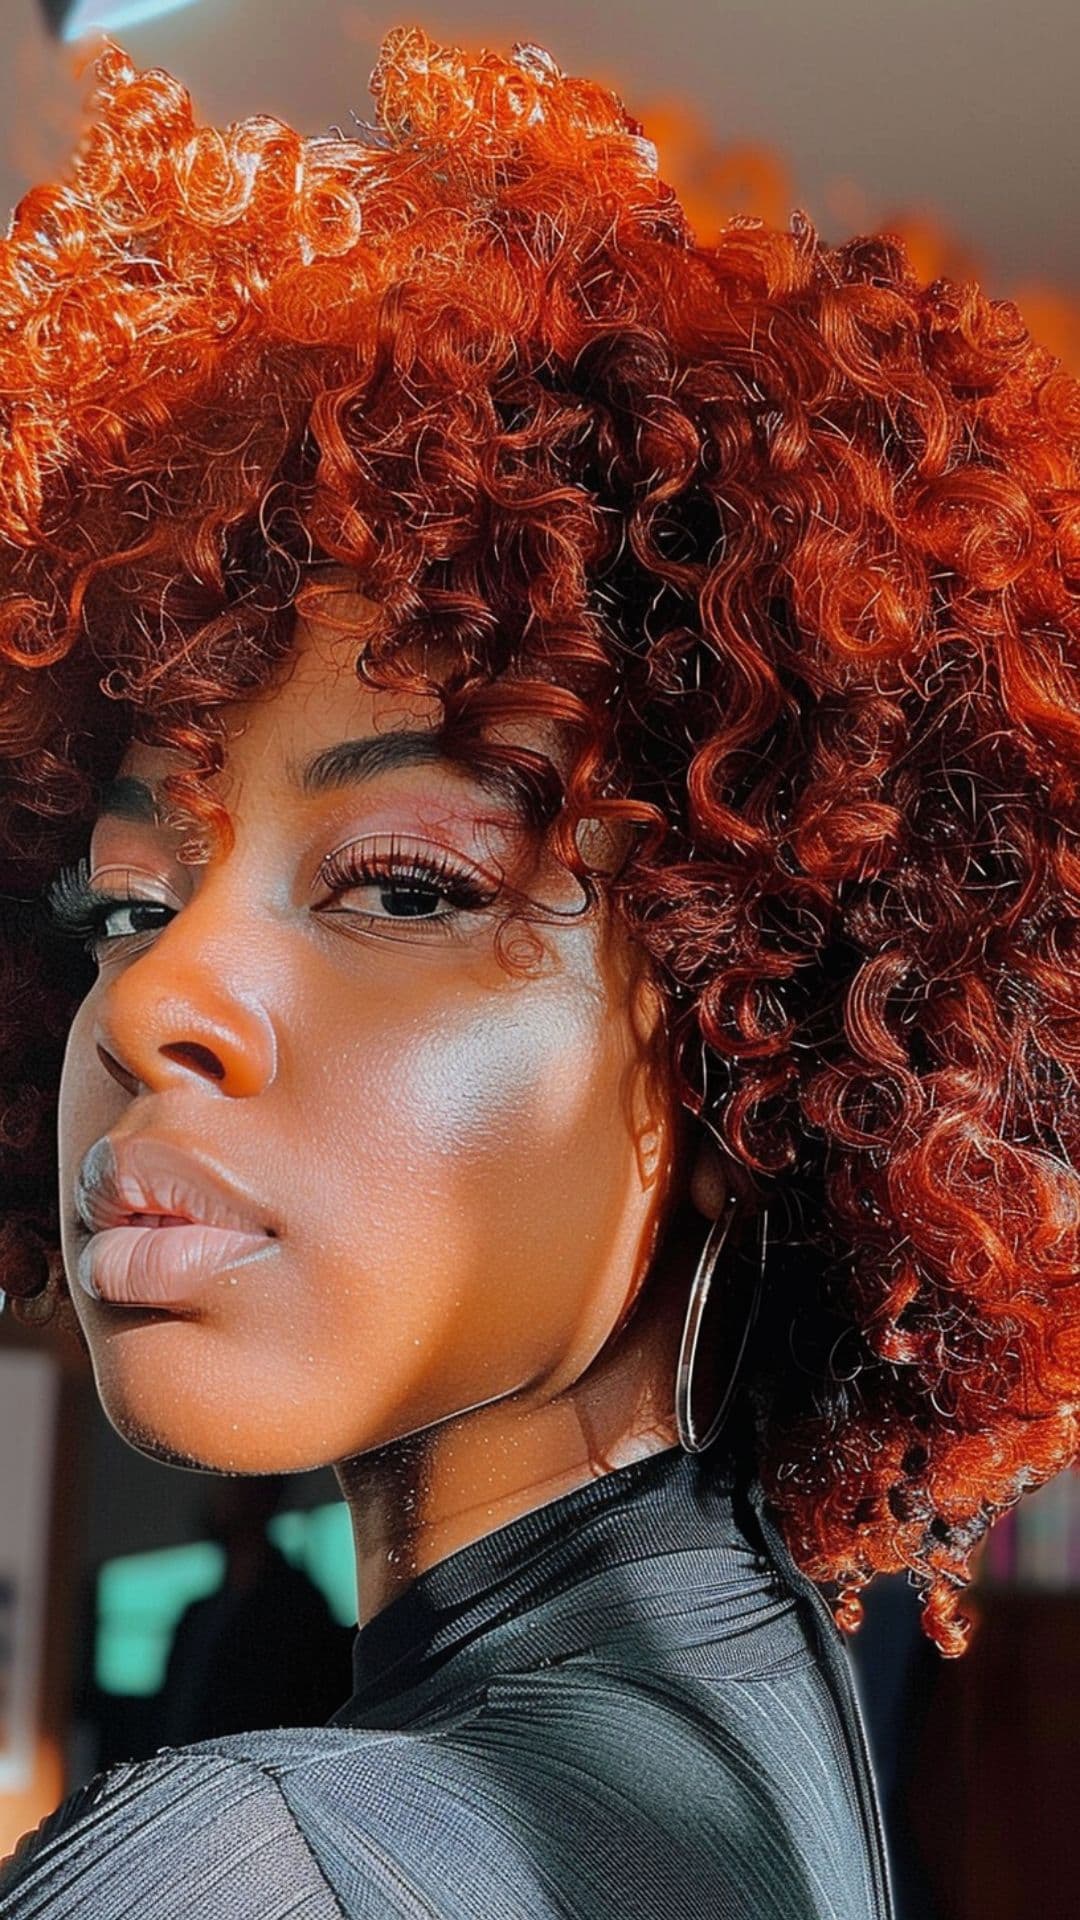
(177, 1442)
(183, 1419)
(156, 1447)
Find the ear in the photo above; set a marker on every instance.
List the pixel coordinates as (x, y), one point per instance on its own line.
(708, 1182)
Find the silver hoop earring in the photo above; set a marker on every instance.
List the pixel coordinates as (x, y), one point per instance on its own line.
(739, 1304)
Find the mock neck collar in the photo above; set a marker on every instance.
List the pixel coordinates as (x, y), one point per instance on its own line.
(556, 1581)
(652, 1567)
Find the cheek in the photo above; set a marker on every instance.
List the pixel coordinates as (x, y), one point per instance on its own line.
(482, 1107)
(486, 1168)
(83, 1080)
(512, 1105)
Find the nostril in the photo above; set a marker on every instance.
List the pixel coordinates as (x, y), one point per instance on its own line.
(116, 1072)
(190, 1051)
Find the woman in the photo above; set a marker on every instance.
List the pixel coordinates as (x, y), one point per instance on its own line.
(560, 746)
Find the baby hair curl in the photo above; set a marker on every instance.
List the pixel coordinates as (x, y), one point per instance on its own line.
(790, 544)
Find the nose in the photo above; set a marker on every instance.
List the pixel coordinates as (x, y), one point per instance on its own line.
(186, 1006)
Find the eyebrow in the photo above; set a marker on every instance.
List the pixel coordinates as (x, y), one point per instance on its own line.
(345, 763)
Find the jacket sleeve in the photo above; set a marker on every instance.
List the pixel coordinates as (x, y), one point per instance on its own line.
(183, 1836)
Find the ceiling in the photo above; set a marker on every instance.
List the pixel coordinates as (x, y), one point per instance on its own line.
(964, 108)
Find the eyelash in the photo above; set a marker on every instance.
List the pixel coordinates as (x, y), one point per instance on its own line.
(77, 910)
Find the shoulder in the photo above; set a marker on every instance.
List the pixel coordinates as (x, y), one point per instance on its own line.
(317, 1823)
(192, 1832)
(565, 1793)
(659, 1792)
(578, 1789)
(594, 1791)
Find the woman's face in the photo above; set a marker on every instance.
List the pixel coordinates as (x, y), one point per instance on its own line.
(465, 1167)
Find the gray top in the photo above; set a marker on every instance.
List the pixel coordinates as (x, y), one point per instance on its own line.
(626, 1705)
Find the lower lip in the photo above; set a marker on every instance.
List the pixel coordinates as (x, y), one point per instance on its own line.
(163, 1266)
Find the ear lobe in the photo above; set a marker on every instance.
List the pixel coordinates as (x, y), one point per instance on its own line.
(603, 843)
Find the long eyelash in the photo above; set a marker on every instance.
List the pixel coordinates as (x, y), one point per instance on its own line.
(76, 910)
(465, 887)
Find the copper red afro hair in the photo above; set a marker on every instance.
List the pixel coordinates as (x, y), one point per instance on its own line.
(789, 542)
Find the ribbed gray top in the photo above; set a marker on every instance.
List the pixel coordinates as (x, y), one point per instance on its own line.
(628, 1704)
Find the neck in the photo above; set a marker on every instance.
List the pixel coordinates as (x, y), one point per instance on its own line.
(422, 1498)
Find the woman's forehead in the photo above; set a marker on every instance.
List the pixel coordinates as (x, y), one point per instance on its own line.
(315, 696)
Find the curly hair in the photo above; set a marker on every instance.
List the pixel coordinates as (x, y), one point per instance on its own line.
(790, 544)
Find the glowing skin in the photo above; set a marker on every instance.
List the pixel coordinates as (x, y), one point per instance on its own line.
(471, 1167)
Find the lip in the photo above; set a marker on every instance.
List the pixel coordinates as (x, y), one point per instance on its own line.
(139, 1178)
(167, 1266)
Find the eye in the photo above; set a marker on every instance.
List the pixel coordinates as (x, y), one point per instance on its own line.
(78, 911)
(402, 881)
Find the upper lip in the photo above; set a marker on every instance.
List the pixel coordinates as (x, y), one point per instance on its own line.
(145, 1174)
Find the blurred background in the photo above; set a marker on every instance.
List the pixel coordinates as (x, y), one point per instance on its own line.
(132, 1594)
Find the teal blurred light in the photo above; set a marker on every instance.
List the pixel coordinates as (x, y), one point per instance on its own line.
(71, 19)
(139, 1602)
(319, 1540)
(141, 1596)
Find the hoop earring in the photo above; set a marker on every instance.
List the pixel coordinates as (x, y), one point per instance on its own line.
(741, 1297)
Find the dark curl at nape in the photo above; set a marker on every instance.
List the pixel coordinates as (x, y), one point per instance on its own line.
(790, 544)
